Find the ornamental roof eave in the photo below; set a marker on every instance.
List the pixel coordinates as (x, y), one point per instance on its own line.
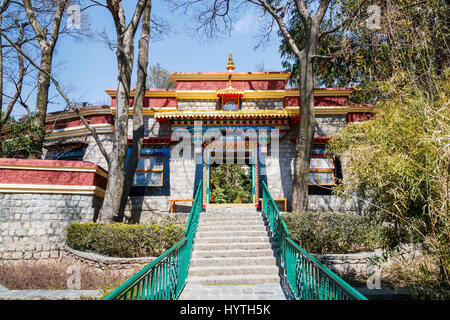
(230, 92)
(214, 114)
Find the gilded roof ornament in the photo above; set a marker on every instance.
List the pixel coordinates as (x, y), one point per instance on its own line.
(230, 65)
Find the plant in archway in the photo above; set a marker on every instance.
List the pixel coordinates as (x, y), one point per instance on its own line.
(231, 183)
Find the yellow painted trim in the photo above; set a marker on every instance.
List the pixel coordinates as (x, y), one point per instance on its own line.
(322, 92)
(148, 93)
(323, 110)
(79, 131)
(356, 108)
(234, 76)
(50, 188)
(51, 168)
(146, 111)
(225, 114)
(264, 94)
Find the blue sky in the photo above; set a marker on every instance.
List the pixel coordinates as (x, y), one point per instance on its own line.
(85, 68)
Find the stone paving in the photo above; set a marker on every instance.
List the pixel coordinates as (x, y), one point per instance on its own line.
(265, 291)
(6, 294)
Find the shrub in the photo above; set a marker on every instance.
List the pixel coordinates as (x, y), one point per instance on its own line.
(124, 240)
(333, 232)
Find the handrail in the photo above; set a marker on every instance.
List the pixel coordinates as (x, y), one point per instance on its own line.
(165, 277)
(308, 278)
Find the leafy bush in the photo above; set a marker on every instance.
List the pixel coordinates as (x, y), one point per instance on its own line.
(333, 232)
(124, 240)
(231, 183)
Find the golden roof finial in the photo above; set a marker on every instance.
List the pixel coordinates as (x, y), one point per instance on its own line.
(230, 65)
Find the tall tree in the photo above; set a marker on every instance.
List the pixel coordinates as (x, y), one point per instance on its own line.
(138, 118)
(125, 35)
(5, 116)
(158, 77)
(219, 15)
(47, 42)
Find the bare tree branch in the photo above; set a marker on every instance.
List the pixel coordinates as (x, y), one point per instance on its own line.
(69, 103)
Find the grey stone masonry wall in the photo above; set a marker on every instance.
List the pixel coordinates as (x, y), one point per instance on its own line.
(32, 226)
(204, 104)
(103, 262)
(279, 169)
(152, 127)
(328, 125)
(334, 203)
(252, 104)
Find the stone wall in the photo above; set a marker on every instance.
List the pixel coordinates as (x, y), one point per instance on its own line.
(328, 125)
(252, 104)
(101, 262)
(152, 127)
(39, 198)
(203, 104)
(324, 203)
(32, 226)
(358, 265)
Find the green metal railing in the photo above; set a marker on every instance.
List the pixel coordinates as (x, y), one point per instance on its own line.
(165, 277)
(308, 278)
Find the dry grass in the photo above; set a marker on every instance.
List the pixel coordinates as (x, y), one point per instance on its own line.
(53, 275)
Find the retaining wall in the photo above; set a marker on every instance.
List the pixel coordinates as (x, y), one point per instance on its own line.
(39, 198)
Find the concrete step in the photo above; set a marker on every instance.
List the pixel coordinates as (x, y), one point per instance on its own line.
(231, 222)
(232, 271)
(243, 279)
(230, 209)
(220, 228)
(233, 253)
(231, 215)
(233, 261)
(237, 222)
(224, 240)
(231, 234)
(259, 245)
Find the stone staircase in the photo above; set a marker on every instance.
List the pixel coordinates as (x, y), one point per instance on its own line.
(232, 247)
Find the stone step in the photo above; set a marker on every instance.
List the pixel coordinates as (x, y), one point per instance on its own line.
(237, 239)
(230, 215)
(232, 270)
(243, 279)
(233, 261)
(229, 222)
(218, 253)
(259, 245)
(226, 227)
(230, 209)
(232, 222)
(230, 234)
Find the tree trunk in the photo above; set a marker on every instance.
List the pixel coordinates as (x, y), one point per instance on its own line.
(42, 101)
(138, 119)
(125, 57)
(111, 203)
(307, 121)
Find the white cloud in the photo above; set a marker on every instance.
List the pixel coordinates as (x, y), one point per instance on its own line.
(245, 23)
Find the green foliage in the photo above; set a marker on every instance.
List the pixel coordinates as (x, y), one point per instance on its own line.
(231, 183)
(361, 56)
(333, 232)
(400, 160)
(19, 138)
(124, 240)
